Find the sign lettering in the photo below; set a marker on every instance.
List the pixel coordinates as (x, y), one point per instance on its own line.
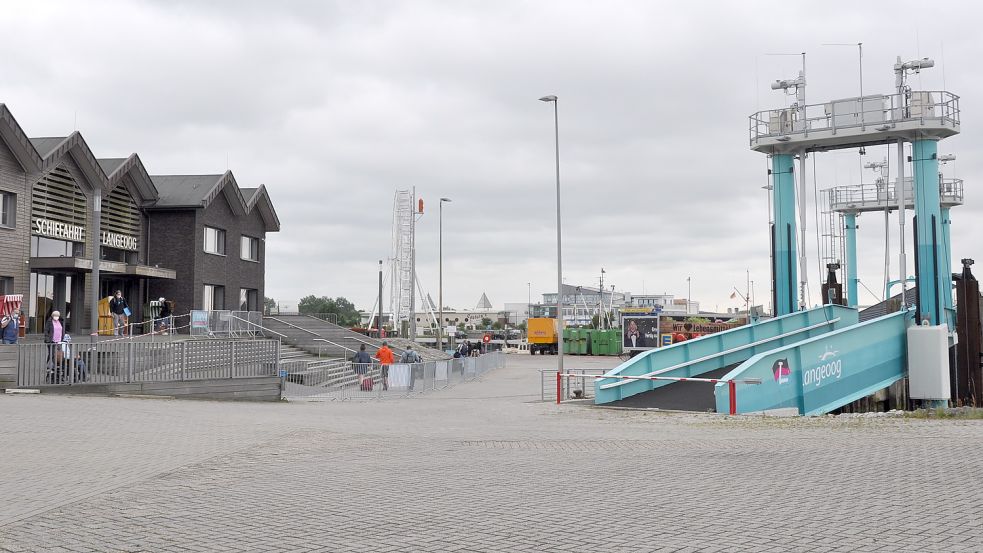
(56, 229)
(119, 241)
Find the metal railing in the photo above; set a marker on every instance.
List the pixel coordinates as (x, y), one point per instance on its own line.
(571, 387)
(881, 195)
(329, 317)
(876, 111)
(123, 361)
(345, 382)
(225, 323)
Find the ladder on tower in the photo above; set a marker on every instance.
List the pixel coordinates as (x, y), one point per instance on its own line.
(832, 229)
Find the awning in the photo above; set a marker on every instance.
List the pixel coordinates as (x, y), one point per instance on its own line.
(146, 271)
(83, 265)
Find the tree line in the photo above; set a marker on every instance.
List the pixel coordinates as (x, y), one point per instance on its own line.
(313, 305)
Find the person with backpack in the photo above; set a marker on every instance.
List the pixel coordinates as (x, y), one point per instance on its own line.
(120, 311)
(361, 363)
(165, 316)
(412, 359)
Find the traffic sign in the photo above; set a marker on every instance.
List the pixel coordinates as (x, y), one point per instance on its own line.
(486, 338)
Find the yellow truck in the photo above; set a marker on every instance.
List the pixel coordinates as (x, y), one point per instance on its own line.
(542, 336)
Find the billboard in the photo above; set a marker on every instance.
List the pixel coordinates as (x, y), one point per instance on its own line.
(639, 332)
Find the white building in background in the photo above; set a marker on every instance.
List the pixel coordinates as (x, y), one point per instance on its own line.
(516, 313)
(582, 303)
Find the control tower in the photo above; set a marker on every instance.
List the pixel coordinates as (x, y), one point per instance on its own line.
(922, 117)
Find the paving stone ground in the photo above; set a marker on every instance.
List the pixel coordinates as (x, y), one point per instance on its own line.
(483, 466)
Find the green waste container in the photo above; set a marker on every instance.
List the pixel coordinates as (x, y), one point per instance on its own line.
(568, 340)
(582, 341)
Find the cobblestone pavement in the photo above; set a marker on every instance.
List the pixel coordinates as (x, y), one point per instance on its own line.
(481, 467)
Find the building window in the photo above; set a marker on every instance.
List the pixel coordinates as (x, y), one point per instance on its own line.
(214, 241)
(8, 209)
(49, 247)
(249, 248)
(248, 299)
(213, 298)
(6, 285)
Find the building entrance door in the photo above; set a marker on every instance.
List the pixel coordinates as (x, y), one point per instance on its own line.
(51, 292)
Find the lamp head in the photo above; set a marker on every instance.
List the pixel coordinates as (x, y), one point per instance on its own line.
(445, 199)
(550, 98)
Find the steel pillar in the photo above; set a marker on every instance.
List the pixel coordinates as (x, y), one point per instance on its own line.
(783, 235)
(945, 261)
(933, 279)
(850, 222)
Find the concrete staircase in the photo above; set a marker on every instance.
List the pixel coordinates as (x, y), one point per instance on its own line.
(319, 337)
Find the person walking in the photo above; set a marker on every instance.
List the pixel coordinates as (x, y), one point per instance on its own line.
(165, 316)
(54, 332)
(361, 363)
(119, 309)
(412, 359)
(9, 328)
(385, 357)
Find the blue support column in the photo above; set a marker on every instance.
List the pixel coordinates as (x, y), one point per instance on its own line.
(785, 256)
(850, 220)
(933, 278)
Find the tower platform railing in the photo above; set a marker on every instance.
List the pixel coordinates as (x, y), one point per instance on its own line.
(877, 197)
(874, 114)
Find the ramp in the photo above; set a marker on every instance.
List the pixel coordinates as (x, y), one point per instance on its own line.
(823, 373)
(716, 351)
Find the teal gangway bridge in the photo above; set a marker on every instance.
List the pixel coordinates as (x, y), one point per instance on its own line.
(816, 360)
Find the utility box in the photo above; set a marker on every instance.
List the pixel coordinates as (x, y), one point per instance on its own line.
(928, 362)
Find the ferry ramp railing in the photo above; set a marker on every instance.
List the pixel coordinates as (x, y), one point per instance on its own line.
(571, 386)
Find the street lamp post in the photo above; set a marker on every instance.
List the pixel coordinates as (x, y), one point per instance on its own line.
(689, 294)
(559, 250)
(440, 285)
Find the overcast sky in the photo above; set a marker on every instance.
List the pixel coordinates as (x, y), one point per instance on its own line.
(335, 105)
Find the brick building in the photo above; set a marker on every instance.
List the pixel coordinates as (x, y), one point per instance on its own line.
(224, 264)
(152, 235)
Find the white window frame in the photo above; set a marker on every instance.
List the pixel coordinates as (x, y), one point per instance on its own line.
(218, 243)
(8, 209)
(246, 243)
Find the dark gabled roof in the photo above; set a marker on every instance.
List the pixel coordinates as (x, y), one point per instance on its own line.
(164, 191)
(54, 149)
(47, 144)
(18, 142)
(259, 198)
(247, 194)
(116, 168)
(198, 191)
(184, 190)
(110, 165)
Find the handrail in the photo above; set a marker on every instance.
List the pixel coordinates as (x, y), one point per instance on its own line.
(354, 338)
(294, 326)
(334, 344)
(720, 353)
(261, 327)
(341, 328)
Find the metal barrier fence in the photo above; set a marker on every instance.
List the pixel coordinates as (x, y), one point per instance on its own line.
(125, 361)
(571, 385)
(344, 381)
(232, 324)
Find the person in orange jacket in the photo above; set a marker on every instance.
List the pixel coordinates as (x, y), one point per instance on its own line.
(385, 357)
